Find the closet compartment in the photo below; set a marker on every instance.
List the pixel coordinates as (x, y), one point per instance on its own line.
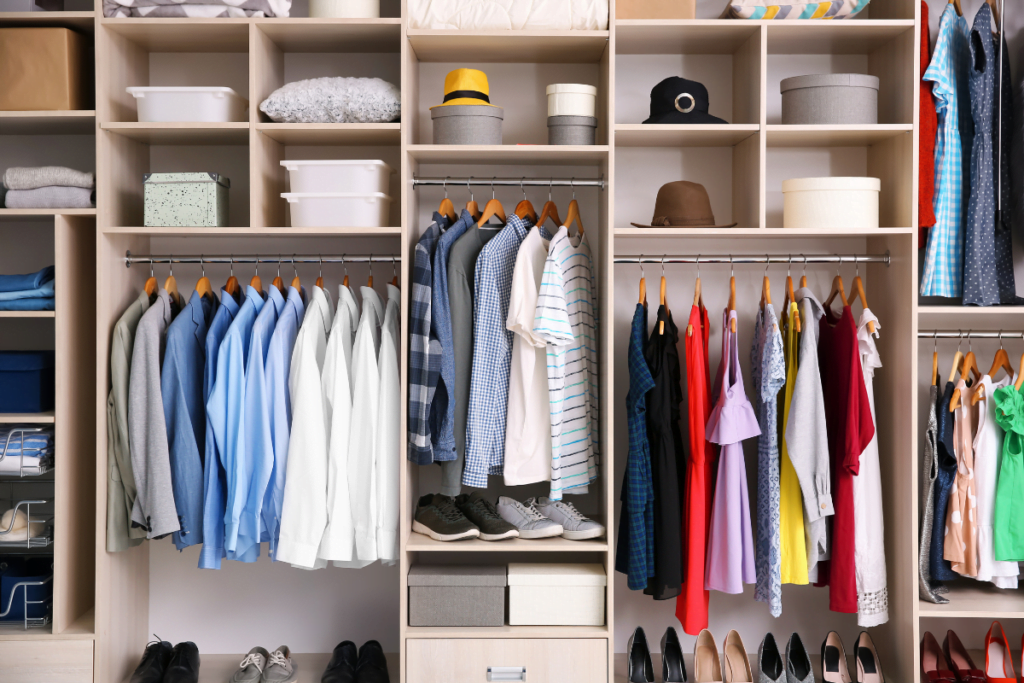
(26, 381)
(556, 594)
(452, 595)
(57, 141)
(545, 660)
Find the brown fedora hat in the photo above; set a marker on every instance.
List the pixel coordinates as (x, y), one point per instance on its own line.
(683, 204)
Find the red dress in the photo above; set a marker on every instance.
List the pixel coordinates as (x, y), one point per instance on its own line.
(926, 154)
(692, 603)
(850, 429)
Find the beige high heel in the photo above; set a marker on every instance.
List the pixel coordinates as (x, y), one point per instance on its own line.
(737, 664)
(707, 668)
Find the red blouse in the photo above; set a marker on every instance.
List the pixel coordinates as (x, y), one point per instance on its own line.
(929, 126)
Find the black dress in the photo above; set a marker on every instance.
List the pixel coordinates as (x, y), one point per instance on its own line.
(946, 461)
(666, 459)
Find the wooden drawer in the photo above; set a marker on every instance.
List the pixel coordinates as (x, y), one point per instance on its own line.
(46, 661)
(545, 660)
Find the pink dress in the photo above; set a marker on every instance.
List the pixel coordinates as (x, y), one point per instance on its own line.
(730, 560)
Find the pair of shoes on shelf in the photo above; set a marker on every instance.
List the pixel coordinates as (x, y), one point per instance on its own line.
(444, 518)
(641, 669)
(734, 664)
(346, 666)
(163, 663)
(796, 668)
(260, 666)
(953, 664)
(545, 518)
(834, 667)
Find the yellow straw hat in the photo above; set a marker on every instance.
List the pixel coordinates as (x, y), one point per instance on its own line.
(465, 86)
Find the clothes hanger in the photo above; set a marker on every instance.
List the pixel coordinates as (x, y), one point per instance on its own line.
(150, 286)
(296, 283)
(837, 288)
(447, 209)
(1020, 375)
(278, 282)
(203, 287)
(643, 283)
(344, 265)
(995, 15)
(231, 287)
(1002, 360)
(662, 301)
(858, 290)
(766, 286)
(549, 210)
(956, 6)
(471, 206)
(369, 281)
(935, 360)
(492, 208)
(525, 208)
(698, 299)
(971, 364)
(320, 275)
(170, 284)
(803, 276)
(394, 279)
(256, 283)
(790, 298)
(958, 367)
(574, 211)
(732, 294)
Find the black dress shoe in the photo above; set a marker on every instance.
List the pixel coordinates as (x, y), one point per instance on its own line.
(372, 666)
(184, 664)
(640, 668)
(673, 670)
(342, 667)
(154, 663)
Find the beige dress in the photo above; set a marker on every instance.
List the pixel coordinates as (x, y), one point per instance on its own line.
(960, 545)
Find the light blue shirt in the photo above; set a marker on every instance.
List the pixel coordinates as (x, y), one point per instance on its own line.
(181, 385)
(213, 472)
(225, 410)
(279, 410)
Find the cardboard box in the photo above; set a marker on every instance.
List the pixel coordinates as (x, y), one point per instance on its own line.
(41, 69)
(656, 9)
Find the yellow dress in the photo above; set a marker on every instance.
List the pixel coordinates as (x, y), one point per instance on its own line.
(791, 523)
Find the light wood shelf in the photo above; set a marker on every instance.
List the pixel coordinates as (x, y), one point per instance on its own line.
(557, 47)
(305, 34)
(972, 599)
(80, 21)
(183, 35)
(234, 133)
(27, 314)
(28, 418)
(776, 233)
(332, 133)
(682, 36)
(507, 631)
(680, 135)
(421, 543)
(23, 214)
(267, 232)
(834, 37)
(541, 155)
(834, 136)
(73, 122)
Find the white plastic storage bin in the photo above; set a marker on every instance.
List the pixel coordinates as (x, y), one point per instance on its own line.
(188, 104)
(571, 99)
(830, 203)
(338, 209)
(556, 594)
(353, 176)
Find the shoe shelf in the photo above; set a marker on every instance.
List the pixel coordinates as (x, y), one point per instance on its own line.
(971, 599)
(421, 543)
(309, 666)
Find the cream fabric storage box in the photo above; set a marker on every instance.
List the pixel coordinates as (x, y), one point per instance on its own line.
(830, 203)
(571, 99)
(556, 594)
(457, 595)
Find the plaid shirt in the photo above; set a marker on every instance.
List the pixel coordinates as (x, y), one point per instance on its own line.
(424, 348)
(442, 409)
(492, 355)
(949, 70)
(638, 488)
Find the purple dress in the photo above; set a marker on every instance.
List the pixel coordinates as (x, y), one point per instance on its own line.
(730, 562)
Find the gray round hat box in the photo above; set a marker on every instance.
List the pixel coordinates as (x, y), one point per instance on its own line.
(572, 130)
(467, 124)
(830, 99)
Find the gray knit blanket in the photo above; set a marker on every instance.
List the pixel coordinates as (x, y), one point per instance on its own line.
(196, 8)
(19, 178)
(54, 197)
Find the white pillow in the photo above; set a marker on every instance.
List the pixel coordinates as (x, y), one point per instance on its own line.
(334, 100)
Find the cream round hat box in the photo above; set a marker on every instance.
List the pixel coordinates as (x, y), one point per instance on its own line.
(830, 203)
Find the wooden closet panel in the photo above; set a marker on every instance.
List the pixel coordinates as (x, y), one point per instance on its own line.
(545, 660)
(49, 661)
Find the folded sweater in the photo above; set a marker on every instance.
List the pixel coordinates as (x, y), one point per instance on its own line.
(52, 197)
(26, 282)
(31, 178)
(36, 304)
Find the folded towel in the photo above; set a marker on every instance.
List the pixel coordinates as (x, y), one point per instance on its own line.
(43, 292)
(38, 304)
(22, 529)
(15, 440)
(50, 197)
(196, 8)
(31, 178)
(26, 282)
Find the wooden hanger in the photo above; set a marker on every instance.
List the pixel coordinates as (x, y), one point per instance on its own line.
(643, 283)
(296, 283)
(957, 7)
(256, 283)
(171, 285)
(837, 288)
(232, 286)
(394, 279)
(447, 209)
(150, 286)
(278, 282)
(1020, 376)
(858, 290)
(661, 296)
(549, 210)
(698, 299)
(320, 275)
(803, 276)
(525, 208)
(574, 212)
(493, 207)
(970, 364)
(955, 401)
(935, 369)
(791, 298)
(203, 287)
(1002, 360)
(732, 295)
(471, 205)
(766, 288)
(995, 14)
(369, 280)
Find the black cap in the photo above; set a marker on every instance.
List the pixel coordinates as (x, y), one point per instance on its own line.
(678, 100)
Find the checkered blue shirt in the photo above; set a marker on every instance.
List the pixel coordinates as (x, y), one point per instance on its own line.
(492, 354)
(638, 488)
(442, 410)
(424, 348)
(948, 71)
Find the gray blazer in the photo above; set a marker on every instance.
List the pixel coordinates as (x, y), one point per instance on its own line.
(120, 479)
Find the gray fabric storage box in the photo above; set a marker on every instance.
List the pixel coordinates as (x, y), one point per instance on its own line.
(185, 200)
(467, 124)
(457, 595)
(830, 99)
(572, 130)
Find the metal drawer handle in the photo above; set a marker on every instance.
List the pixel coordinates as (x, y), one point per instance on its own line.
(506, 673)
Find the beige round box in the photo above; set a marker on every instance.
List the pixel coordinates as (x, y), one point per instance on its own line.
(830, 203)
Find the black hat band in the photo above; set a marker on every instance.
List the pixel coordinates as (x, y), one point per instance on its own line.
(469, 94)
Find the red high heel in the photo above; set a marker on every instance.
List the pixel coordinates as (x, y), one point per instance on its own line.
(998, 660)
(960, 660)
(933, 663)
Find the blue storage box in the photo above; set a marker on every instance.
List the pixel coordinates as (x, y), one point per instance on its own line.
(26, 381)
(15, 570)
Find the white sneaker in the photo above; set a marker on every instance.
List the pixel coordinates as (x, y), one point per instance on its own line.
(527, 519)
(576, 526)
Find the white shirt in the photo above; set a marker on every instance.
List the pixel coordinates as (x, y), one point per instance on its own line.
(387, 452)
(304, 511)
(363, 493)
(528, 425)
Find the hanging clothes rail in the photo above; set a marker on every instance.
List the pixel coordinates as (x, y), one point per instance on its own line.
(130, 258)
(734, 259)
(968, 334)
(509, 182)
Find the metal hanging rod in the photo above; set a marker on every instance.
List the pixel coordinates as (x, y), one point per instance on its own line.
(130, 258)
(968, 334)
(483, 181)
(796, 259)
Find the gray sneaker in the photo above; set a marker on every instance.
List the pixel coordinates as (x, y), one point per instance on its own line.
(281, 668)
(251, 668)
(576, 526)
(530, 522)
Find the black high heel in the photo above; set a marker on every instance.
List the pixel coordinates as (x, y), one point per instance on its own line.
(673, 669)
(641, 670)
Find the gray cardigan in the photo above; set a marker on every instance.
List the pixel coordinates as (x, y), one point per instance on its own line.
(806, 438)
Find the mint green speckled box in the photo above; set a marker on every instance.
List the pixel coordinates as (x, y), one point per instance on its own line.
(186, 200)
